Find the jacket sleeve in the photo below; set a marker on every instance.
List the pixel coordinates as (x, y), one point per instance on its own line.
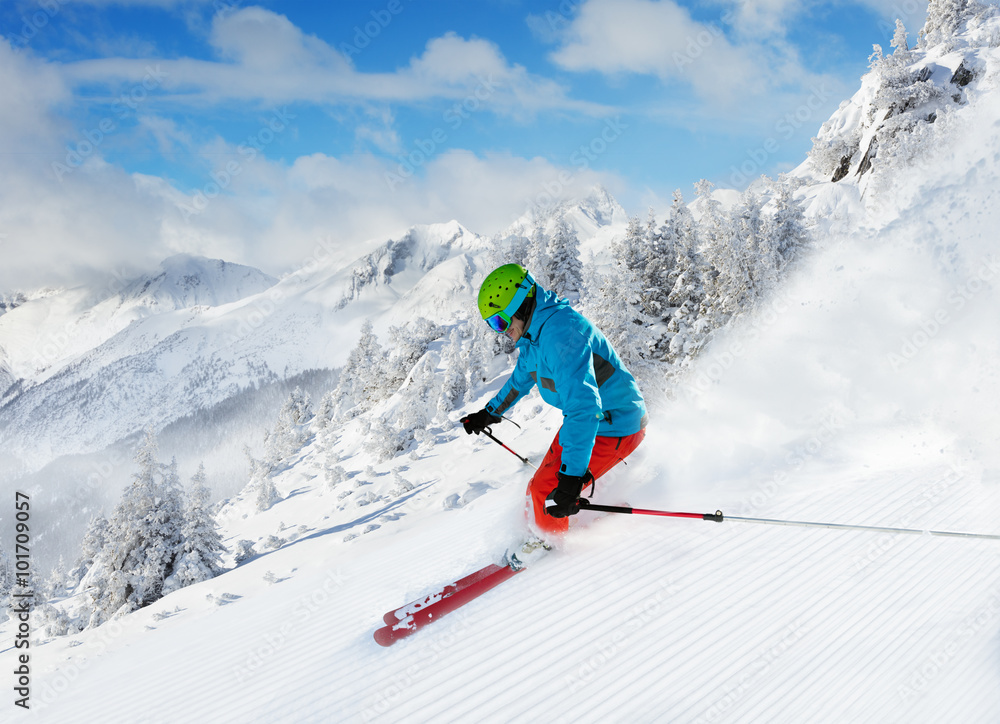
(573, 359)
(517, 386)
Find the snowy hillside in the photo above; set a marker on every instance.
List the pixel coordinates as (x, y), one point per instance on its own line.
(862, 390)
(186, 339)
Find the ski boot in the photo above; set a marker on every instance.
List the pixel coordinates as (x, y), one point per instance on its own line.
(528, 552)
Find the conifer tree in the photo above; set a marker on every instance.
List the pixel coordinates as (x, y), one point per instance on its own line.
(201, 547)
(407, 344)
(655, 275)
(143, 537)
(454, 380)
(786, 227)
(615, 300)
(751, 268)
(261, 486)
(714, 237)
(687, 290)
(537, 260)
(361, 380)
(566, 276)
(945, 19)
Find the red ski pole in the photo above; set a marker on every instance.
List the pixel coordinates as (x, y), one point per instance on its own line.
(584, 503)
(524, 460)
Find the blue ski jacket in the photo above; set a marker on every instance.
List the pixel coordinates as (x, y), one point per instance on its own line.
(577, 370)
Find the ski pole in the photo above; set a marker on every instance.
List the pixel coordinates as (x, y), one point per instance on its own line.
(586, 504)
(489, 434)
(718, 517)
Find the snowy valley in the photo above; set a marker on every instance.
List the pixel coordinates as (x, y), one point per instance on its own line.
(822, 349)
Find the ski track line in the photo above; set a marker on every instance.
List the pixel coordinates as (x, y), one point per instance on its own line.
(699, 654)
(913, 552)
(967, 659)
(858, 649)
(962, 584)
(612, 608)
(692, 602)
(889, 594)
(264, 620)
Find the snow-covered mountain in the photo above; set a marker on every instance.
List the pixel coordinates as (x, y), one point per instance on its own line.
(42, 335)
(596, 219)
(862, 392)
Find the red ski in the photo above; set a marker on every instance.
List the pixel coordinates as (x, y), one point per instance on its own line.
(413, 616)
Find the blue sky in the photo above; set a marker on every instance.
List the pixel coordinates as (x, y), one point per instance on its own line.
(140, 128)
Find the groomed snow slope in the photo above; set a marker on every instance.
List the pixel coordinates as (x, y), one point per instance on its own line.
(866, 393)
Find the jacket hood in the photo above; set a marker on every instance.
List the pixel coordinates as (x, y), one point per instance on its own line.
(547, 303)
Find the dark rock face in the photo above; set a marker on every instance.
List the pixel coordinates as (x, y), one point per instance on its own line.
(842, 170)
(962, 76)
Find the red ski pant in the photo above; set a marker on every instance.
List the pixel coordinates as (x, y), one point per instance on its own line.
(608, 452)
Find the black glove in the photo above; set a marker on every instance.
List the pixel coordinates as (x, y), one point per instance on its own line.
(565, 499)
(479, 421)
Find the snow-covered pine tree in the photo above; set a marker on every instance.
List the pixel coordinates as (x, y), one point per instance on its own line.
(56, 583)
(630, 254)
(199, 556)
(93, 542)
(325, 411)
(261, 486)
(630, 251)
(408, 344)
(484, 345)
(755, 258)
(655, 275)
(592, 280)
(143, 537)
(566, 275)
(687, 290)
(945, 19)
(290, 430)
(786, 227)
(615, 305)
(361, 379)
(417, 407)
(717, 248)
(714, 236)
(453, 384)
(537, 260)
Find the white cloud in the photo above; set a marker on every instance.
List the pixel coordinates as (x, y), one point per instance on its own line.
(277, 212)
(658, 38)
(64, 224)
(913, 14)
(267, 59)
(740, 61)
(763, 17)
(28, 89)
(262, 41)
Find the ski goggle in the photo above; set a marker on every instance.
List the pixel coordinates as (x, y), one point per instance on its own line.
(500, 321)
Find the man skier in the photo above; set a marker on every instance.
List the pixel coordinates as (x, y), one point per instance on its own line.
(576, 370)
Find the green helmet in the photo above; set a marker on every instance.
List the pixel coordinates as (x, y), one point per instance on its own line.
(502, 294)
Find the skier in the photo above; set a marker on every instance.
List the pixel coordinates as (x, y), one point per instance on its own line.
(576, 370)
